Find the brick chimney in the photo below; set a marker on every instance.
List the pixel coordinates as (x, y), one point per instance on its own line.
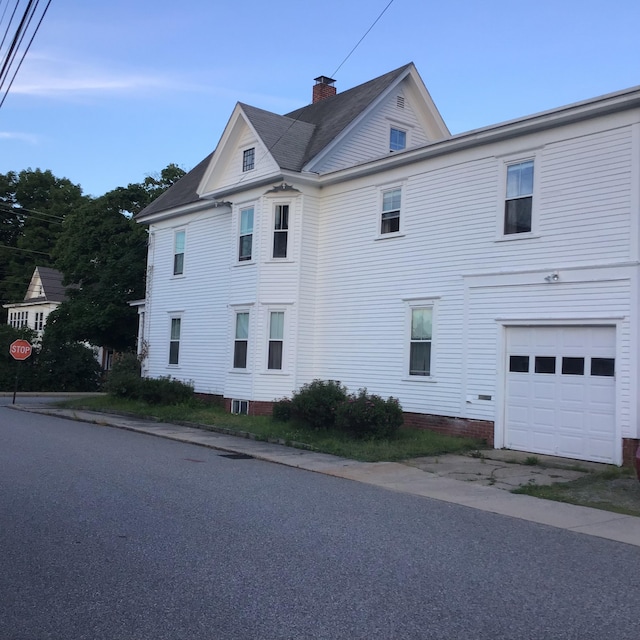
(323, 88)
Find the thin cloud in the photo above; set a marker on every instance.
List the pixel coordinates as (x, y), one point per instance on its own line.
(21, 137)
(47, 76)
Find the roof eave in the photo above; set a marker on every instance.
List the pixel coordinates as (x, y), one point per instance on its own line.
(597, 107)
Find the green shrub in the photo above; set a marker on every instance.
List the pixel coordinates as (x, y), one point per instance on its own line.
(123, 381)
(166, 390)
(315, 403)
(282, 410)
(369, 416)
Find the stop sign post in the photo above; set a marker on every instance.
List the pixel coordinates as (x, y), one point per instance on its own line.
(19, 350)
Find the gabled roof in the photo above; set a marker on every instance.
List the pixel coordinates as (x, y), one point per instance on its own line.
(286, 138)
(182, 192)
(46, 286)
(294, 139)
(332, 116)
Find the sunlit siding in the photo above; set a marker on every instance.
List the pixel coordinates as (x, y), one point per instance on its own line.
(199, 299)
(307, 330)
(230, 173)
(371, 138)
(452, 215)
(603, 296)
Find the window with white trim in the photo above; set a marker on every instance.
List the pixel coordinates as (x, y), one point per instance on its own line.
(241, 340)
(390, 217)
(248, 159)
(174, 341)
(178, 252)
(420, 340)
(518, 206)
(39, 322)
(240, 407)
(280, 230)
(276, 339)
(397, 139)
(245, 242)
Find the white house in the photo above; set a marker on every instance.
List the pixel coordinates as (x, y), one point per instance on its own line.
(489, 280)
(44, 294)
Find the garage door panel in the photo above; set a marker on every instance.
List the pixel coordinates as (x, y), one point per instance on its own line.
(557, 406)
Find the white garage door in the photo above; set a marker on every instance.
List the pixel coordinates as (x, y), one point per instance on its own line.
(560, 396)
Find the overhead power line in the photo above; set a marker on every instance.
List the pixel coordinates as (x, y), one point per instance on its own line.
(16, 32)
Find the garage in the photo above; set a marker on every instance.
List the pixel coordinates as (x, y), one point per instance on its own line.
(560, 391)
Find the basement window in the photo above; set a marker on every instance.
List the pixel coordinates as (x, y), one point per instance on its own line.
(240, 407)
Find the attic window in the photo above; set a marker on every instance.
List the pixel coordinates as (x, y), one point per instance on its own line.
(400, 102)
(248, 159)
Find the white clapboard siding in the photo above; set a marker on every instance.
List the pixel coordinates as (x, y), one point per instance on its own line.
(493, 304)
(370, 139)
(228, 172)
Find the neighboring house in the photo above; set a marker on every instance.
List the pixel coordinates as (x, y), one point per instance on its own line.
(44, 294)
(489, 280)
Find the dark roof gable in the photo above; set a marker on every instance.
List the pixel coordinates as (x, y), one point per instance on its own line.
(293, 139)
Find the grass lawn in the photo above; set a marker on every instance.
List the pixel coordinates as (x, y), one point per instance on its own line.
(409, 443)
(614, 490)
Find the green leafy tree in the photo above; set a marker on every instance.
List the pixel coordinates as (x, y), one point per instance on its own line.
(104, 251)
(33, 205)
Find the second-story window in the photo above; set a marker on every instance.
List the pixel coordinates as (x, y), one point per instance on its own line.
(390, 219)
(280, 231)
(178, 253)
(248, 159)
(519, 198)
(245, 245)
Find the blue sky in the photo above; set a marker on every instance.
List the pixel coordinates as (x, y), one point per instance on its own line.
(113, 91)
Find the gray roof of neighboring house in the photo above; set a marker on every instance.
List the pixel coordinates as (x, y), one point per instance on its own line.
(52, 288)
(293, 139)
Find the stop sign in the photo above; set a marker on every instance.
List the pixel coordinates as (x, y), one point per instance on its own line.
(20, 349)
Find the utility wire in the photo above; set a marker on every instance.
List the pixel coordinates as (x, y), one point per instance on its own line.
(363, 37)
(17, 41)
(284, 133)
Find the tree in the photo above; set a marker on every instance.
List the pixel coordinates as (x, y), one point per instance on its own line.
(33, 205)
(103, 251)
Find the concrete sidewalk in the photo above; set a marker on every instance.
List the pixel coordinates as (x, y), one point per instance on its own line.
(420, 480)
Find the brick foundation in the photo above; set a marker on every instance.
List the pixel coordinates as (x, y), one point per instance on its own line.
(209, 398)
(451, 426)
(629, 448)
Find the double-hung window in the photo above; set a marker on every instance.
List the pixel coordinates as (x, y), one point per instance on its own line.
(390, 218)
(241, 342)
(420, 341)
(397, 139)
(519, 198)
(39, 323)
(174, 341)
(178, 253)
(245, 245)
(280, 231)
(248, 159)
(276, 339)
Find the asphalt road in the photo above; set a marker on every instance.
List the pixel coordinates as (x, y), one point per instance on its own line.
(108, 534)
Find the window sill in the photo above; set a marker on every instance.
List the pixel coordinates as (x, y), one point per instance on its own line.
(276, 372)
(517, 236)
(177, 276)
(240, 372)
(281, 260)
(387, 236)
(421, 379)
(244, 263)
